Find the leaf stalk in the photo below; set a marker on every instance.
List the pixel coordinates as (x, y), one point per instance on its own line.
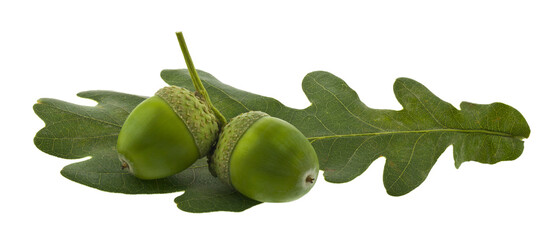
(196, 79)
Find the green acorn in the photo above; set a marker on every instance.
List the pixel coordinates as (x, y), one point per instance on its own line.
(167, 133)
(265, 158)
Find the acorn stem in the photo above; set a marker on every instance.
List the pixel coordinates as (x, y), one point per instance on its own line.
(196, 79)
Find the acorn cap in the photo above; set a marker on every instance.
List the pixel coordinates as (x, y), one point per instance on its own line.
(230, 135)
(195, 113)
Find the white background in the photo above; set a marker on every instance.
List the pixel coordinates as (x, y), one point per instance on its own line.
(477, 51)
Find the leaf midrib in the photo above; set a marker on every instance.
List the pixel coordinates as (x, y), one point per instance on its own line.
(464, 131)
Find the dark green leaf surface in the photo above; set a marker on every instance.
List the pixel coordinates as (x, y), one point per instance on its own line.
(347, 135)
(411, 139)
(74, 131)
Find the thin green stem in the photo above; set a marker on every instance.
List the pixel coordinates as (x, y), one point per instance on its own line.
(196, 79)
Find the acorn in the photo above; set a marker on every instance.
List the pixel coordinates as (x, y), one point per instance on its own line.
(265, 158)
(167, 133)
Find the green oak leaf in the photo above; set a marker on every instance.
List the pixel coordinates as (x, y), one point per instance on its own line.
(74, 131)
(411, 139)
(347, 135)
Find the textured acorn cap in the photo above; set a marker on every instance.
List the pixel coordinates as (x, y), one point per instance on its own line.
(195, 113)
(227, 141)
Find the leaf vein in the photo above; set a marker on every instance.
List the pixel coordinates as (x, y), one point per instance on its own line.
(408, 163)
(424, 106)
(343, 105)
(83, 116)
(466, 131)
(350, 159)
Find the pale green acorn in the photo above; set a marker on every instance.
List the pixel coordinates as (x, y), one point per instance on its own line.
(265, 158)
(167, 133)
